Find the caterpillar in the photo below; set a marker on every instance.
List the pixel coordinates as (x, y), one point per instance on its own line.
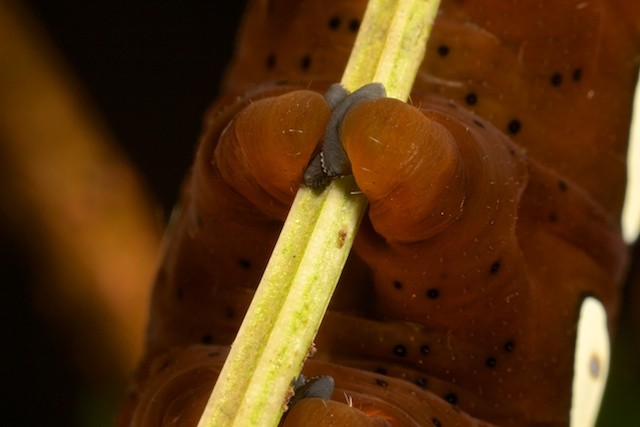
(487, 229)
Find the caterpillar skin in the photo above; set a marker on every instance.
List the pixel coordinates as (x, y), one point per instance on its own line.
(487, 225)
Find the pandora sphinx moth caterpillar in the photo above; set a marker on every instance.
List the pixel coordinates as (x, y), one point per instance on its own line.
(487, 225)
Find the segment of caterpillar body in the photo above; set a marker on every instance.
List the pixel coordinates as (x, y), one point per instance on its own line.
(485, 231)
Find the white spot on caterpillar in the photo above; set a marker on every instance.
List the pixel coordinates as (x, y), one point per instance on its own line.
(631, 209)
(591, 363)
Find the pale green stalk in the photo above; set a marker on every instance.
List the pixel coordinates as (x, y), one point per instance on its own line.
(292, 297)
(390, 47)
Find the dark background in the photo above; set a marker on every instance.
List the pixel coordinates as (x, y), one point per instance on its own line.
(151, 67)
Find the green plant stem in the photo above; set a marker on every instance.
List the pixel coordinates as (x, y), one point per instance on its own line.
(284, 316)
(390, 45)
(274, 337)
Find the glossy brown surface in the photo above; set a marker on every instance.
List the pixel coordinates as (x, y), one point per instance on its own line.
(486, 229)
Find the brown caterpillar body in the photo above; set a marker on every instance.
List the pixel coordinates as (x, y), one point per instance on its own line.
(486, 229)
